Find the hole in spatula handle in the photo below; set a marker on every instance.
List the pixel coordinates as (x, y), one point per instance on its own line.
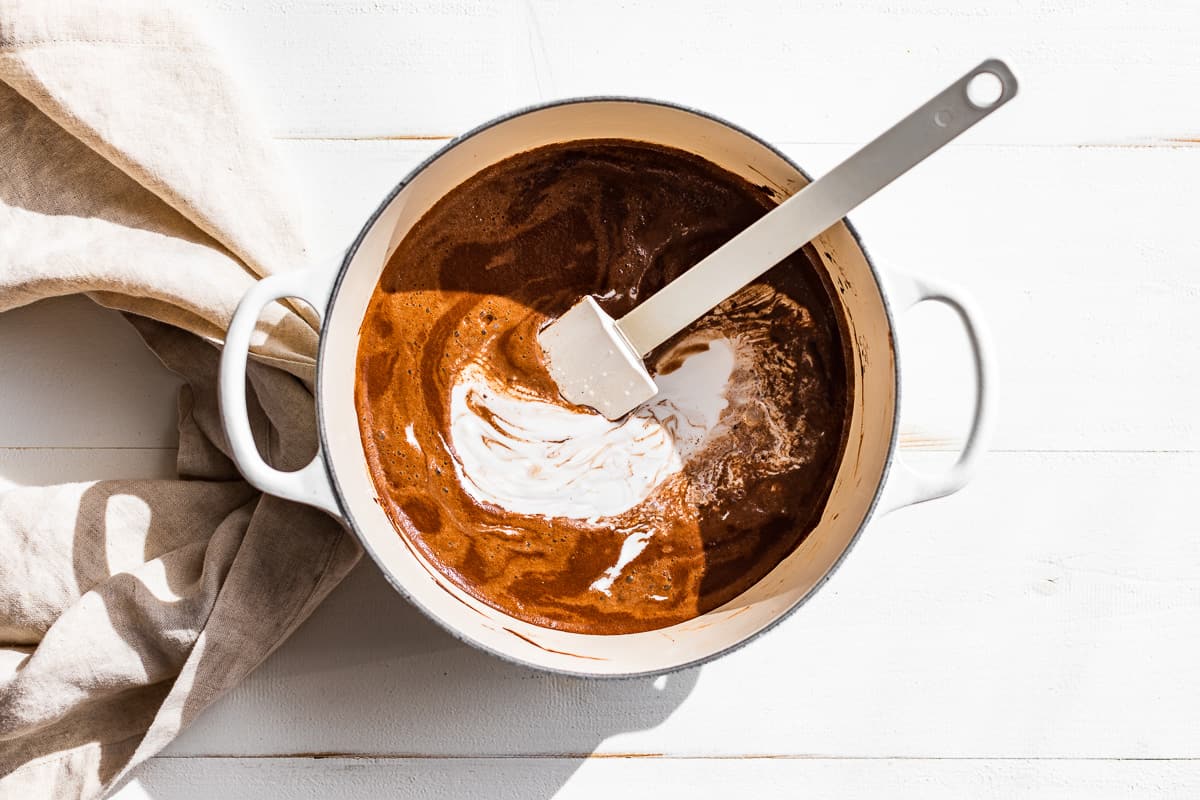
(985, 89)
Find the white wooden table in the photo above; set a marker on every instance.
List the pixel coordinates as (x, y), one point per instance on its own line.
(1037, 635)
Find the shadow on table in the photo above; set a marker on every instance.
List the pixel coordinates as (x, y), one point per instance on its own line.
(369, 674)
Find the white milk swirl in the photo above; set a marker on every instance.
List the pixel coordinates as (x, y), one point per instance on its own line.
(536, 458)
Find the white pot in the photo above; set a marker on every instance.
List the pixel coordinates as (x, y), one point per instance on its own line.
(870, 478)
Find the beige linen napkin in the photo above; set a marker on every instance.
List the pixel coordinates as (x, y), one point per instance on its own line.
(131, 171)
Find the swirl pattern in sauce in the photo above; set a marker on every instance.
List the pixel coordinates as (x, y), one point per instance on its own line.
(547, 511)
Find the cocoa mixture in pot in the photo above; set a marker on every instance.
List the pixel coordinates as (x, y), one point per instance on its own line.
(545, 510)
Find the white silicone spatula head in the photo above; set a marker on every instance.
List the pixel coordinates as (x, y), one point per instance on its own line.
(593, 363)
(597, 361)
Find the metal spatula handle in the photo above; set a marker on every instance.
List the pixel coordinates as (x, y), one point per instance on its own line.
(813, 209)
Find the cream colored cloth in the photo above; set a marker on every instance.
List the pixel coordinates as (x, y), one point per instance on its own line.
(131, 171)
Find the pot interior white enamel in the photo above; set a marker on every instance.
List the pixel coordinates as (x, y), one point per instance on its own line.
(872, 373)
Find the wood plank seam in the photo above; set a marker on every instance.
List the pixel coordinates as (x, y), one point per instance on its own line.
(1165, 143)
(665, 757)
(84, 448)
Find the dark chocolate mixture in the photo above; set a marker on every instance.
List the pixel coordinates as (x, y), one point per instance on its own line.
(512, 248)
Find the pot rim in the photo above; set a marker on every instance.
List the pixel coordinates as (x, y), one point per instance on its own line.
(349, 519)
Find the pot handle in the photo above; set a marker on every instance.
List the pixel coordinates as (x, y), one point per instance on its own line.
(309, 484)
(905, 485)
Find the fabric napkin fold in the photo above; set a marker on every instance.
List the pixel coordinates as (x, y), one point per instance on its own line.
(132, 171)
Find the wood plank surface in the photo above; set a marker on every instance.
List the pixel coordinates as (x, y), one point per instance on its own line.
(1063, 621)
(662, 779)
(824, 71)
(43, 466)
(1048, 610)
(1095, 333)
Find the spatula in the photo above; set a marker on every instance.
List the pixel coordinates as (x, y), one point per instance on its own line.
(597, 361)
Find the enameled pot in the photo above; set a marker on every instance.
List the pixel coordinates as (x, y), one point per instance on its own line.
(870, 479)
